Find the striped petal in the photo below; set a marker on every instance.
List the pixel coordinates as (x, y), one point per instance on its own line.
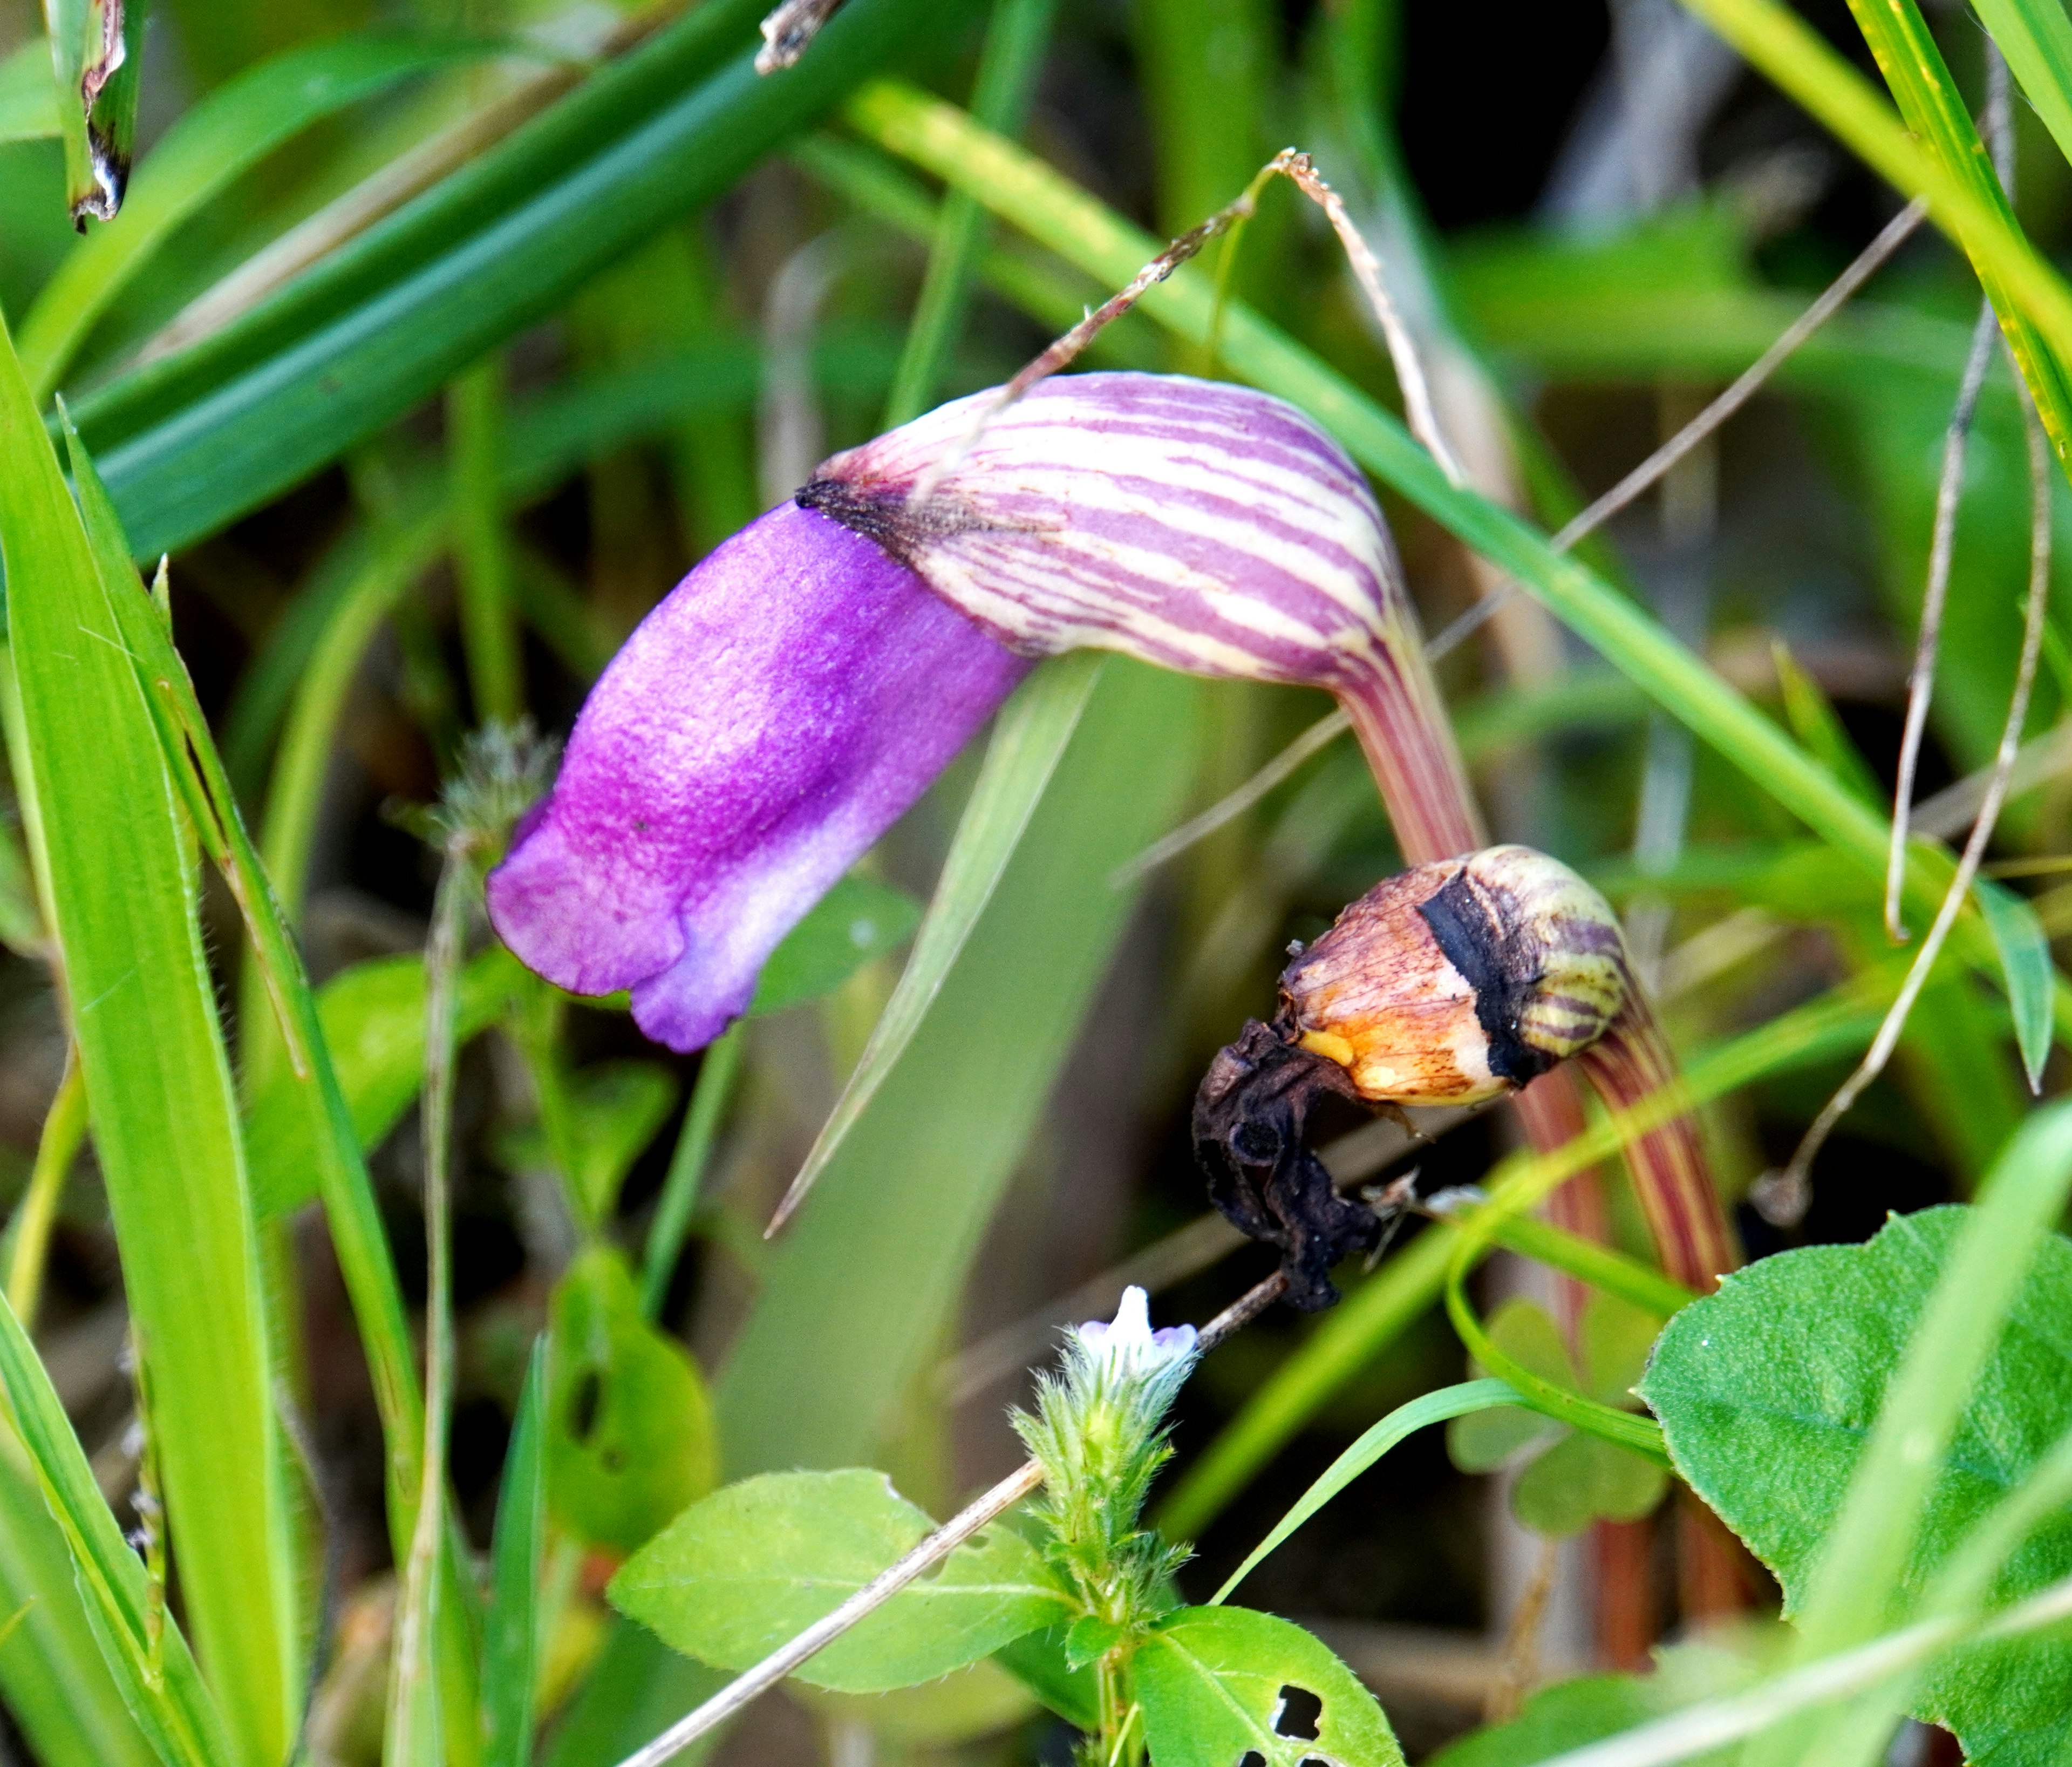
(1199, 525)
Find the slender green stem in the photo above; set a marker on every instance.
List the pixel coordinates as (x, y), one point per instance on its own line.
(1014, 56)
(481, 549)
(687, 1169)
(64, 1127)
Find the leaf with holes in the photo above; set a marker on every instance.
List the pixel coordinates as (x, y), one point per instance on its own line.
(756, 1563)
(630, 1437)
(1231, 1687)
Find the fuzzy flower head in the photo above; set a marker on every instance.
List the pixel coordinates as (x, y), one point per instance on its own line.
(1126, 1349)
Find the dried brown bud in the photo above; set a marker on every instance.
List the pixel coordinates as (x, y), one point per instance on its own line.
(1457, 981)
(1449, 984)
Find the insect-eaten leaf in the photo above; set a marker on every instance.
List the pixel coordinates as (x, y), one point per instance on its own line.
(630, 1440)
(1237, 1688)
(757, 1562)
(94, 49)
(1581, 1477)
(1767, 1391)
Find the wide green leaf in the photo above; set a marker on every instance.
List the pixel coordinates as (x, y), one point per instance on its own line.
(1227, 1686)
(1768, 1390)
(211, 145)
(857, 1291)
(758, 1561)
(629, 1430)
(157, 1079)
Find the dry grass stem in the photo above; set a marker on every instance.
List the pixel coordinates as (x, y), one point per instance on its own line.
(1793, 1186)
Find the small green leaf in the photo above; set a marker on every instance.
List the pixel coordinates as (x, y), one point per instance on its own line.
(757, 1562)
(1219, 1685)
(1483, 1441)
(1617, 1337)
(2025, 952)
(629, 1432)
(1767, 1391)
(1037, 1660)
(1089, 1638)
(857, 920)
(614, 1110)
(1582, 1478)
(1812, 718)
(1565, 1715)
(373, 1016)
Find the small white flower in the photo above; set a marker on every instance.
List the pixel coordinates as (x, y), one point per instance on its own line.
(1128, 1348)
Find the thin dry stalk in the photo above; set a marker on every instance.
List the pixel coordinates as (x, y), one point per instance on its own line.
(1642, 478)
(789, 32)
(1794, 1183)
(1921, 682)
(980, 1513)
(1949, 493)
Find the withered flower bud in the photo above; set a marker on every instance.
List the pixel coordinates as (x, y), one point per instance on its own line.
(1451, 983)
(1454, 982)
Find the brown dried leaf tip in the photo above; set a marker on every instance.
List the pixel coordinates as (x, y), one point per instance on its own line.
(1449, 984)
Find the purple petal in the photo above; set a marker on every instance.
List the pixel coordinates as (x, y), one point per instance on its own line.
(781, 709)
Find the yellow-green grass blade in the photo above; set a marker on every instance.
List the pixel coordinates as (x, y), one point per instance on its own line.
(57, 1687)
(1059, 215)
(1935, 110)
(188, 749)
(860, 1286)
(158, 1080)
(157, 1676)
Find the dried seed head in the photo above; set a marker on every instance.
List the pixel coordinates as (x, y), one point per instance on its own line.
(1454, 982)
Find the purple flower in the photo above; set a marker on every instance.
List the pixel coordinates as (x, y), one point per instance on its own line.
(1127, 1348)
(793, 696)
(804, 685)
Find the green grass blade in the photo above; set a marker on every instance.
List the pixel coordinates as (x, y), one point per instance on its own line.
(481, 549)
(510, 1627)
(2036, 37)
(56, 1685)
(357, 1236)
(1376, 1440)
(1014, 45)
(1934, 108)
(28, 102)
(1028, 743)
(162, 1688)
(69, 23)
(2025, 950)
(211, 146)
(240, 444)
(858, 1289)
(157, 1079)
(1059, 215)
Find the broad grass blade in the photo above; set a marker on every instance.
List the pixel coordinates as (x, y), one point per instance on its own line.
(158, 1080)
(158, 1678)
(470, 286)
(2036, 37)
(221, 137)
(1027, 744)
(857, 1293)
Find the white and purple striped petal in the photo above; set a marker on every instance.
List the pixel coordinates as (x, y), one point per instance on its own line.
(1199, 525)
(785, 703)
